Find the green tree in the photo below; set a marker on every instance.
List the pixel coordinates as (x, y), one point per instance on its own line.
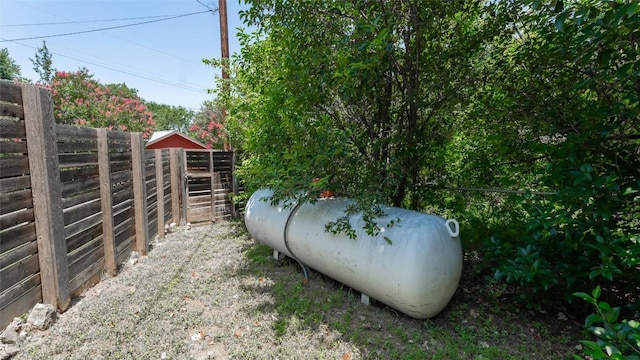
(169, 117)
(358, 94)
(568, 89)
(43, 65)
(9, 70)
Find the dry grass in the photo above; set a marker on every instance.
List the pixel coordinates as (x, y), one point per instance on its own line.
(213, 293)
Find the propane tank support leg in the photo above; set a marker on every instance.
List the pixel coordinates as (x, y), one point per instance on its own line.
(364, 298)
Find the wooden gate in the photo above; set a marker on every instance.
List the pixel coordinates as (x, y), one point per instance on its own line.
(209, 184)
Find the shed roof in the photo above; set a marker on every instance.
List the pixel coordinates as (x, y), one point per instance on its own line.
(165, 134)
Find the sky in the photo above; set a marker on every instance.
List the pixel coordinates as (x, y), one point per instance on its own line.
(161, 59)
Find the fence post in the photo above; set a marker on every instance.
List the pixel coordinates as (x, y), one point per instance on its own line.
(212, 183)
(47, 198)
(159, 192)
(104, 167)
(174, 168)
(184, 191)
(234, 185)
(139, 193)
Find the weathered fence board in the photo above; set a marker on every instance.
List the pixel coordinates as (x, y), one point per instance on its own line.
(89, 221)
(20, 290)
(13, 147)
(79, 239)
(16, 218)
(71, 133)
(11, 93)
(20, 303)
(79, 185)
(77, 159)
(87, 171)
(15, 200)
(84, 145)
(17, 222)
(79, 212)
(18, 271)
(15, 183)
(12, 129)
(80, 198)
(14, 166)
(82, 257)
(19, 253)
(11, 238)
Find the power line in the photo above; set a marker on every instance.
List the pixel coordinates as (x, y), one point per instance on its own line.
(190, 87)
(88, 21)
(103, 29)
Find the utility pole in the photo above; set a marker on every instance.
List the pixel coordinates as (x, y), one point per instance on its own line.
(224, 43)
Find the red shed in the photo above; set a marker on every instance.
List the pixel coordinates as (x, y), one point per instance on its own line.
(172, 139)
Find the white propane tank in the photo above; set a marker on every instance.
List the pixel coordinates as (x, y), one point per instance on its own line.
(417, 274)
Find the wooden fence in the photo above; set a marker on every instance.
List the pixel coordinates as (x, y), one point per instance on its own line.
(75, 202)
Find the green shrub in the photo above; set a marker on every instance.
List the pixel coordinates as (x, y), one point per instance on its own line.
(616, 339)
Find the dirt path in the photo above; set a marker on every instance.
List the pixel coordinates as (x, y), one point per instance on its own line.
(185, 300)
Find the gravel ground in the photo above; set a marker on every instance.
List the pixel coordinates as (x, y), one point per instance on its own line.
(210, 292)
(190, 298)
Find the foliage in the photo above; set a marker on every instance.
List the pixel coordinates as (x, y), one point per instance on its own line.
(616, 339)
(43, 65)
(169, 117)
(359, 95)
(400, 102)
(206, 126)
(9, 70)
(584, 136)
(81, 100)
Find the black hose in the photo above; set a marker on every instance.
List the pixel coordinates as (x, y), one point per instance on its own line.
(286, 243)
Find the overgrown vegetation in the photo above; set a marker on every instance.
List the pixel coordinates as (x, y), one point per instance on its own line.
(477, 324)
(401, 102)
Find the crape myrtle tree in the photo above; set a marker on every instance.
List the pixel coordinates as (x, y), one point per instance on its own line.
(83, 101)
(207, 126)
